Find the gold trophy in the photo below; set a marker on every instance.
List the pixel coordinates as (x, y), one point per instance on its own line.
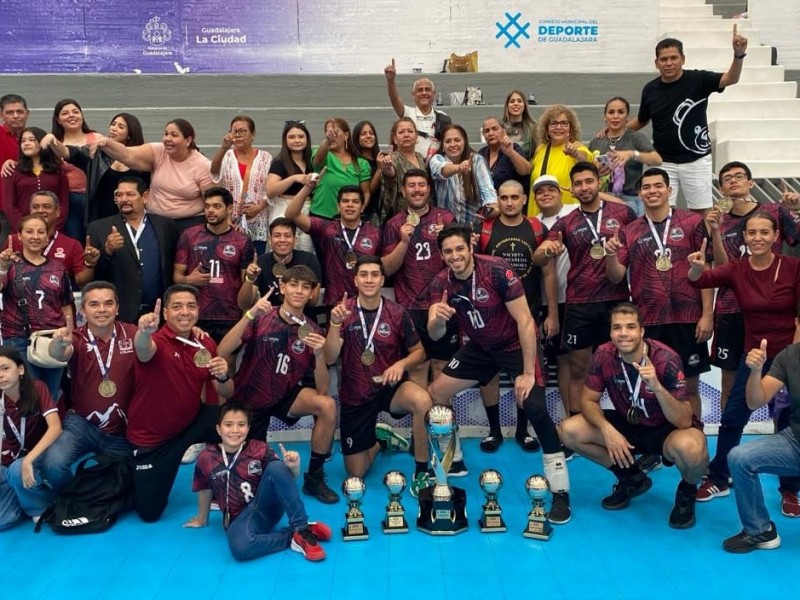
(354, 529)
(395, 521)
(491, 520)
(539, 527)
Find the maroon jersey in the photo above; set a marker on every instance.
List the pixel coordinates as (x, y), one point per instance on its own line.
(224, 257)
(394, 336)
(330, 242)
(45, 288)
(61, 248)
(27, 435)
(768, 298)
(167, 390)
(422, 261)
(108, 414)
(605, 374)
(663, 297)
(586, 280)
(232, 487)
(480, 302)
(732, 232)
(275, 361)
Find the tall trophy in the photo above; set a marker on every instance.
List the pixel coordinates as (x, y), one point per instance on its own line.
(354, 529)
(491, 521)
(442, 508)
(395, 521)
(539, 527)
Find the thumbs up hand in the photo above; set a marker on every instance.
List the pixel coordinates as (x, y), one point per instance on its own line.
(114, 241)
(756, 358)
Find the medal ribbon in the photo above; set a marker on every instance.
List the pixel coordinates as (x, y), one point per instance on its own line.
(350, 245)
(470, 300)
(595, 230)
(50, 245)
(368, 340)
(17, 434)
(228, 469)
(662, 241)
(104, 369)
(135, 236)
(293, 318)
(635, 391)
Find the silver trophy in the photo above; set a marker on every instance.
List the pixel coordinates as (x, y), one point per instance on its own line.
(539, 527)
(395, 521)
(442, 508)
(354, 529)
(491, 520)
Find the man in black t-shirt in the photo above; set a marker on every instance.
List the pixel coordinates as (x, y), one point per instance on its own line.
(676, 102)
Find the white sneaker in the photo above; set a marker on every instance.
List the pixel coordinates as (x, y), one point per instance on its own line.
(191, 454)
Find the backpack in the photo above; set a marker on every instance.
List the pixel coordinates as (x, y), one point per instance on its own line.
(95, 497)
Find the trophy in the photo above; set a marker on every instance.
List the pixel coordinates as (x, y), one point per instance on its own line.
(539, 527)
(491, 521)
(354, 529)
(442, 508)
(395, 521)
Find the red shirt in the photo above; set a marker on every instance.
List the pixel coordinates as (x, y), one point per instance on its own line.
(64, 250)
(108, 414)
(35, 425)
(19, 187)
(167, 390)
(9, 149)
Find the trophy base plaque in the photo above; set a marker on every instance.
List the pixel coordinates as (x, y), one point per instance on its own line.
(395, 524)
(538, 530)
(438, 517)
(354, 531)
(492, 523)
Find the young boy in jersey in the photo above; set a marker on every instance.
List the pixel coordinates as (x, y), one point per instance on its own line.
(254, 488)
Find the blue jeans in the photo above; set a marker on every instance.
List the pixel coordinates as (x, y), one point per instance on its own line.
(33, 500)
(635, 203)
(777, 454)
(251, 534)
(10, 508)
(50, 377)
(78, 438)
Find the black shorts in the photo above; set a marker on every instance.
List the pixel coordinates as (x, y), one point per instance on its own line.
(587, 325)
(473, 363)
(552, 346)
(645, 439)
(727, 348)
(681, 338)
(259, 419)
(357, 423)
(441, 349)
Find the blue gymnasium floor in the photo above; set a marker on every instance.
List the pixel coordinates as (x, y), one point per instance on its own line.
(630, 554)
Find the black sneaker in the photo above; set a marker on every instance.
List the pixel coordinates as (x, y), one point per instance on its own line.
(458, 469)
(527, 442)
(625, 489)
(560, 511)
(491, 442)
(744, 542)
(314, 485)
(682, 515)
(648, 463)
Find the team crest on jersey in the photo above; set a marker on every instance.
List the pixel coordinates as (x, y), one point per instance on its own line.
(612, 224)
(693, 360)
(511, 276)
(676, 234)
(432, 228)
(60, 253)
(384, 330)
(481, 295)
(125, 345)
(254, 467)
(366, 244)
(54, 279)
(229, 250)
(298, 346)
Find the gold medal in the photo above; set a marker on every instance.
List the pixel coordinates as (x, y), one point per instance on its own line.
(412, 218)
(725, 204)
(107, 388)
(663, 263)
(597, 252)
(367, 357)
(202, 358)
(634, 415)
(350, 260)
(304, 330)
(279, 270)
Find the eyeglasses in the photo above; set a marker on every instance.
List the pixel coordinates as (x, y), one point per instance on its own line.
(734, 177)
(554, 124)
(240, 132)
(294, 122)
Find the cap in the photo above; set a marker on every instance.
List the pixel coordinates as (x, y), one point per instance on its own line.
(546, 180)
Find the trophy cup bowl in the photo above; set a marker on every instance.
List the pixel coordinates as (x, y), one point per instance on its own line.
(539, 526)
(537, 487)
(395, 482)
(395, 521)
(354, 529)
(353, 488)
(440, 421)
(491, 520)
(490, 481)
